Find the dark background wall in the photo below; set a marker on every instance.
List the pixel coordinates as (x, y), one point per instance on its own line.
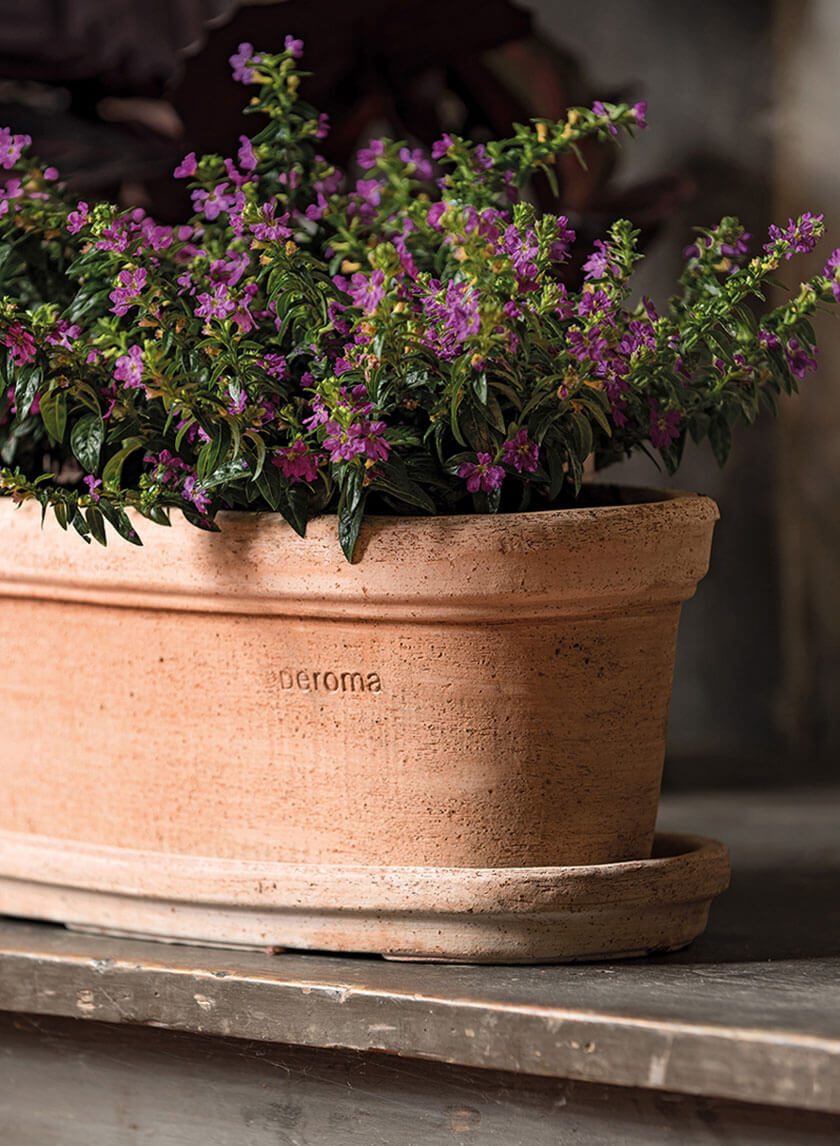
(737, 100)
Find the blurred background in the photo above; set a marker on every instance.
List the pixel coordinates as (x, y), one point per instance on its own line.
(739, 99)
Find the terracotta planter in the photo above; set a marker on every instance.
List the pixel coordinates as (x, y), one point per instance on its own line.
(236, 720)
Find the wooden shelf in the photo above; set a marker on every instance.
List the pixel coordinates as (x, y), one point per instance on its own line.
(750, 1013)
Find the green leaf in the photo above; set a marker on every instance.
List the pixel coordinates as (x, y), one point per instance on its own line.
(86, 438)
(26, 387)
(60, 511)
(120, 521)
(213, 453)
(259, 446)
(96, 524)
(54, 414)
(393, 479)
(80, 525)
(349, 524)
(84, 302)
(113, 467)
(270, 483)
(225, 474)
(453, 418)
(158, 514)
(294, 506)
(479, 387)
(720, 438)
(475, 429)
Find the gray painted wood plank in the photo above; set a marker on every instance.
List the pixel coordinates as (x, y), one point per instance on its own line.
(65, 1083)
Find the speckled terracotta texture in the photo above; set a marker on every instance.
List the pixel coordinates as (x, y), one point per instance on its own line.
(504, 915)
(476, 692)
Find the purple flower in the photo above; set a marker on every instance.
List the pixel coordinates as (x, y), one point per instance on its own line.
(271, 230)
(317, 210)
(830, 270)
(20, 342)
(441, 146)
(366, 197)
(219, 304)
(417, 159)
(640, 112)
(323, 128)
(93, 483)
(128, 368)
(800, 235)
(187, 167)
(239, 61)
(63, 334)
(800, 359)
(367, 293)
(320, 414)
(77, 219)
(298, 462)
(114, 238)
(199, 497)
(768, 338)
(561, 244)
(599, 265)
(738, 248)
(602, 112)
(126, 294)
(369, 156)
(435, 214)
(482, 475)
(343, 444)
(275, 366)
(664, 427)
(212, 203)
(375, 446)
(521, 453)
(481, 160)
(294, 47)
(11, 147)
(245, 154)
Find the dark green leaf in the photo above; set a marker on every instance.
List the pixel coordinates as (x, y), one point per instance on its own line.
(349, 524)
(213, 453)
(80, 525)
(96, 524)
(86, 438)
(54, 413)
(27, 381)
(113, 467)
(120, 521)
(720, 438)
(394, 480)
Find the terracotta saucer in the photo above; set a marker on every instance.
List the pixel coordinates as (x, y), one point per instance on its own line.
(474, 915)
(500, 915)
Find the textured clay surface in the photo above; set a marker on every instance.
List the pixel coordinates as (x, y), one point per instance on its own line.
(475, 692)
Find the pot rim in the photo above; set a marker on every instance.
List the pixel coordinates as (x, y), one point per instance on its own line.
(576, 561)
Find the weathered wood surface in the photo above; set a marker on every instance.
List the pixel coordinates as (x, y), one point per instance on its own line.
(751, 1012)
(66, 1083)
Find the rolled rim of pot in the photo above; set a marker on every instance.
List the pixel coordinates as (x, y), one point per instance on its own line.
(650, 549)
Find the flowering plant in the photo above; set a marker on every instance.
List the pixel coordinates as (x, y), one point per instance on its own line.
(412, 341)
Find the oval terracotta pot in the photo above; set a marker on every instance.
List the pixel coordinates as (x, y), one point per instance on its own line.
(475, 693)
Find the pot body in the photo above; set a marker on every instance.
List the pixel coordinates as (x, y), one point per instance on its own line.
(475, 692)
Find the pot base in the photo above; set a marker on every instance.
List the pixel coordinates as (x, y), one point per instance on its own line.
(467, 915)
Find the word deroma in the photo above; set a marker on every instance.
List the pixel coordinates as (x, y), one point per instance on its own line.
(329, 681)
